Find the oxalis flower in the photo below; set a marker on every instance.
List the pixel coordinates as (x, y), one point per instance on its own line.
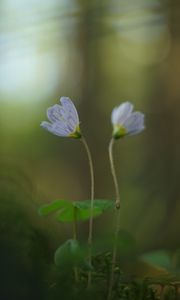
(125, 121)
(64, 120)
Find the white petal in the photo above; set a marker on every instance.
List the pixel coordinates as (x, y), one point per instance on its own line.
(54, 113)
(63, 113)
(71, 124)
(57, 128)
(121, 113)
(68, 119)
(70, 109)
(114, 115)
(134, 123)
(137, 130)
(46, 125)
(61, 129)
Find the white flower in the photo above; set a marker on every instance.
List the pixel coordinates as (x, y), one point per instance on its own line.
(64, 120)
(125, 121)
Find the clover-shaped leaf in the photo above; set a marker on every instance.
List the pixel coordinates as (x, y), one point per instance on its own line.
(79, 214)
(54, 206)
(68, 211)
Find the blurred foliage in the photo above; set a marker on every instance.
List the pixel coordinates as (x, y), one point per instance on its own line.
(23, 250)
(162, 259)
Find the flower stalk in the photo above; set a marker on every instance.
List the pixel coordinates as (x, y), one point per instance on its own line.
(111, 144)
(64, 122)
(91, 209)
(117, 206)
(125, 123)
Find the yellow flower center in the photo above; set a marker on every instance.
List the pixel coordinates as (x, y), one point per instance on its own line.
(76, 134)
(119, 131)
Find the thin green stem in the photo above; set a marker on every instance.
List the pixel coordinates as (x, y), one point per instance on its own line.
(114, 173)
(75, 238)
(117, 205)
(91, 209)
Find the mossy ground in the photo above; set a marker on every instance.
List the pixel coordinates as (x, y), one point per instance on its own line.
(125, 287)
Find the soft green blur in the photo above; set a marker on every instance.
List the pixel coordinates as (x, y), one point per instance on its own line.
(99, 53)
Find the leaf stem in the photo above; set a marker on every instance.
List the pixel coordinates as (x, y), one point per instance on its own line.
(91, 209)
(117, 205)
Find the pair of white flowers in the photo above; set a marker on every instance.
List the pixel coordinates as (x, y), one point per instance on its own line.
(64, 120)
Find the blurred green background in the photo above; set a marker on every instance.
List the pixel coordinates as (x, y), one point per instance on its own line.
(99, 53)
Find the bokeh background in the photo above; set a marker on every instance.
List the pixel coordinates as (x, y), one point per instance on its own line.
(99, 53)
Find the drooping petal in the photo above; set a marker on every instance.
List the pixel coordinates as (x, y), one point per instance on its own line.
(54, 113)
(134, 123)
(61, 129)
(64, 119)
(58, 113)
(57, 128)
(46, 125)
(70, 109)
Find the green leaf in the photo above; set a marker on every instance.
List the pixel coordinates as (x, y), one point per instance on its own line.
(159, 259)
(67, 210)
(84, 214)
(83, 210)
(104, 204)
(68, 255)
(98, 203)
(52, 207)
(68, 215)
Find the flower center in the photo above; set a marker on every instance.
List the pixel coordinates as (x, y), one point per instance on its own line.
(119, 131)
(76, 134)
